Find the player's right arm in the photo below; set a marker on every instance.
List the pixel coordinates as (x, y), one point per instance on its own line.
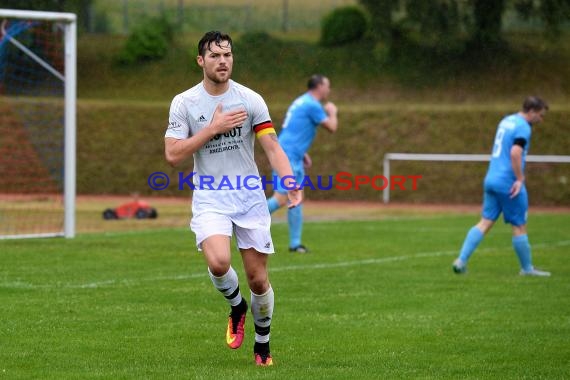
(280, 163)
(331, 122)
(178, 149)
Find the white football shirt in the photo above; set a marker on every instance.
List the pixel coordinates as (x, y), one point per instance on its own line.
(223, 163)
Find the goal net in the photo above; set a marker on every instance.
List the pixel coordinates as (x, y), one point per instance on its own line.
(37, 124)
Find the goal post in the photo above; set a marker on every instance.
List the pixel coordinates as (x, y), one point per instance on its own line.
(455, 158)
(38, 55)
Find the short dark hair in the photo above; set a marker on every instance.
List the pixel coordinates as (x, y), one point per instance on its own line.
(314, 81)
(534, 103)
(215, 37)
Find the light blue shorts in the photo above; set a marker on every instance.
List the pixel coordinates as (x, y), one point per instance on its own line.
(515, 210)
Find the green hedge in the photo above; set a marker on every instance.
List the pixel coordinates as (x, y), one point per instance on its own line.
(149, 41)
(120, 146)
(344, 25)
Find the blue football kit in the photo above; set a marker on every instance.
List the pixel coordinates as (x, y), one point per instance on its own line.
(513, 129)
(298, 133)
(501, 176)
(299, 130)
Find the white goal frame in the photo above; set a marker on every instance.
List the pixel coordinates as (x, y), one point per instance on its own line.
(455, 158)
(69, 21)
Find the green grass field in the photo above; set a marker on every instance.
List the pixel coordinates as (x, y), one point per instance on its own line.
(376, 299)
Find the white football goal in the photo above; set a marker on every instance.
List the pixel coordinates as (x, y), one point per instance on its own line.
(455, 158)
(37, 123)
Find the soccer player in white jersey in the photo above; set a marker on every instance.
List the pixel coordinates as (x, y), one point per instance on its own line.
(504, 188)
(216, 122)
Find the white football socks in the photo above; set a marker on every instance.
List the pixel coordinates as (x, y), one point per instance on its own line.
(228, 285)
(262, 311)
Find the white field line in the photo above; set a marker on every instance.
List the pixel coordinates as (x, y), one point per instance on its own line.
(300, 267)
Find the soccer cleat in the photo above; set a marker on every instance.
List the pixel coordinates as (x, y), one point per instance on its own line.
(299, 249)
(236, 323)
(263, 360)
(534, 272)
(262, 354)
(459, 266)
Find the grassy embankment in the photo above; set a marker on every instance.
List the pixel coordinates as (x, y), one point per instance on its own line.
(435, 104)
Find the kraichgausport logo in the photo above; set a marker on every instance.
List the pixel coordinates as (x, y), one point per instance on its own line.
(340, 181)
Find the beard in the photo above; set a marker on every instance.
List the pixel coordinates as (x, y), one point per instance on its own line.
(219, 77)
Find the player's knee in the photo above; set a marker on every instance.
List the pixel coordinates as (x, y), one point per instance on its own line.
(485, 225)
(219, 267)
(258, 282)
(519, 230)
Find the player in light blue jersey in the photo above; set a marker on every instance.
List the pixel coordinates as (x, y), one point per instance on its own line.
(504, 188)
(304, 116)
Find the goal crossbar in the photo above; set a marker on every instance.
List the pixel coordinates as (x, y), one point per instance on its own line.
(69, 21)
(38, 15)
(456, 158)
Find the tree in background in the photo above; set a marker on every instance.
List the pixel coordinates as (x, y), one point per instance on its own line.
(434, 20)
(487, 18)
(381, 16)
(476, 21)
(552, 12)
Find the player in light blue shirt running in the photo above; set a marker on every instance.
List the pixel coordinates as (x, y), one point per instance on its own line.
(304, 116)
(504, 188)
